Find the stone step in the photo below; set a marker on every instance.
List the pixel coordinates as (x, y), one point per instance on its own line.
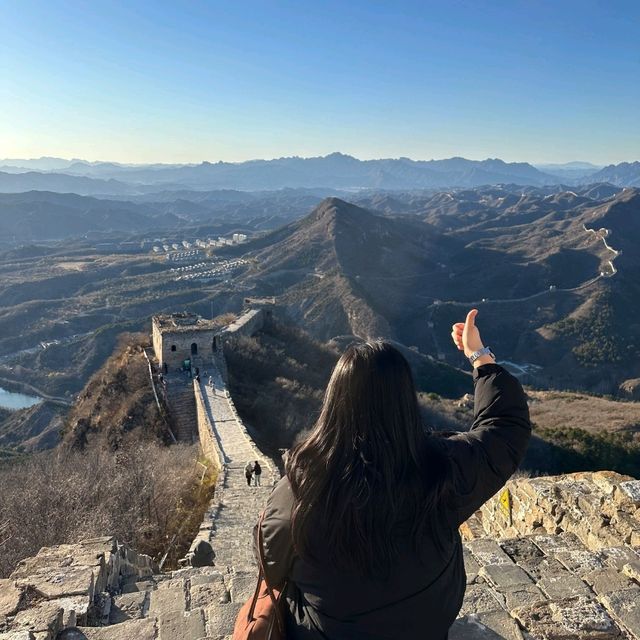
(145, 629)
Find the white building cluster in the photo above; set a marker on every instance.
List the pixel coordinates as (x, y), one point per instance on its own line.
(183, 256)
(186, 245)
(209, 270)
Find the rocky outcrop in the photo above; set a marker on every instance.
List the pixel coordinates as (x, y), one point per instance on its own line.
(67, 585)
(630, 389)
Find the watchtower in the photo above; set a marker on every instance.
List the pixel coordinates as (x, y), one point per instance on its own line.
(178, 337)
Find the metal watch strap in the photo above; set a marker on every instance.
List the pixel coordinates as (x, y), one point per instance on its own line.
(479, 353)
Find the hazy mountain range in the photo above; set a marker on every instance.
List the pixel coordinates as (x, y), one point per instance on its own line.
(335, 171)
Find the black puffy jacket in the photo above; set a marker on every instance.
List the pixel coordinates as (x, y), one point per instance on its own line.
(423, 595)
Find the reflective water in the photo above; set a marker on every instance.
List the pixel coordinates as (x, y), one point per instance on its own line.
(11, 400)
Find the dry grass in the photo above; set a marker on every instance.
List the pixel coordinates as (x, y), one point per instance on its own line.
(142, 494)
(554, 410)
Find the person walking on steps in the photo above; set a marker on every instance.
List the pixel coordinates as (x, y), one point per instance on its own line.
(257, 472)
(248, 472)
(362, 530)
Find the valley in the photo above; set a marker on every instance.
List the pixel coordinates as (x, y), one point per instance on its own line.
(554, 274)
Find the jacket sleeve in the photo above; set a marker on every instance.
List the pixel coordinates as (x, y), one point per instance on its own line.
(276, 534)
(484, 458)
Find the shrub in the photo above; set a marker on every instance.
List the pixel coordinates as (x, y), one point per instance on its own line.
(143, 494)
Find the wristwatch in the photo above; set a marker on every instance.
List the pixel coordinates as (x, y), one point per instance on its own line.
(485, 351)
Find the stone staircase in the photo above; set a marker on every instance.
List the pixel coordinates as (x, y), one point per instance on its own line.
(179, 394)
(202, 603)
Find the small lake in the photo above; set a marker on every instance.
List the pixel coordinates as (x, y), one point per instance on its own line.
(11, 400)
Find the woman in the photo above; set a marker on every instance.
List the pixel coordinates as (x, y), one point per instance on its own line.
(363, 528)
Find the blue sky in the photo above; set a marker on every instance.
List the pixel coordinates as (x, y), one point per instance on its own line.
(535, 81)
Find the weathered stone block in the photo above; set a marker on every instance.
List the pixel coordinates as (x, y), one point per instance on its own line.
(522, 595)
(129, 606)
(562, 586)
(504, 576)
(10, 597)
(17, 635)
(495, 625)
(171, 583)
(606, 580)
(167, 600)
(129, 630)
(607, 481)
(142, 585)
(242, 585)
(624, 525)
(186, 626)
(571, 619)
(488, 552)
(579, 561)
(520, 549)
(75, 609)
(208, 594)
(543, 566)
(222, 618)
(628, 493)
(45, 617)
(479, 598)
(471, 567)
(625, 608)
(549, 544)
(55, 582)
(619, 556)
(632, 569)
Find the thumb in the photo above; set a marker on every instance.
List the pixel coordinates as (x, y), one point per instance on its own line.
(470, 322)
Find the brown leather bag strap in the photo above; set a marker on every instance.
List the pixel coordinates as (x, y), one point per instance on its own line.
(263, 574)
(256, 593)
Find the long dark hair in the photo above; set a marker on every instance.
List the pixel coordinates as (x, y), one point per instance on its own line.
(367, 466)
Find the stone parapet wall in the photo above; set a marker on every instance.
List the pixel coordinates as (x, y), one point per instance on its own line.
(554, 558)
(246, 325)
(602, 508)
(206, 433)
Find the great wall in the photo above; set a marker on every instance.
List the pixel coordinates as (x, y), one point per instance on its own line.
(549, 558)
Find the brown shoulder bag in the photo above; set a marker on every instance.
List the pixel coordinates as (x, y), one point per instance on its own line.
(261, 617)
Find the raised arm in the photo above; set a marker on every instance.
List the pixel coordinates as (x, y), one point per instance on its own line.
(485, 457)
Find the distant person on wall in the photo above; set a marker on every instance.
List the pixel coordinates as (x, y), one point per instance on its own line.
(363, 528)
(248, 472)
(257, 472)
